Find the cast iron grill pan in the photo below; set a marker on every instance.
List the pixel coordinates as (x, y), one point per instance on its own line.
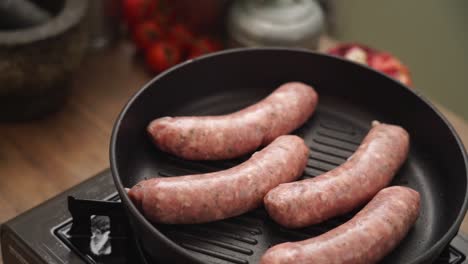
(351, 97)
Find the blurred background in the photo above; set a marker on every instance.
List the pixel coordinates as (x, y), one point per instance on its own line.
(42, 43)
(430, 36)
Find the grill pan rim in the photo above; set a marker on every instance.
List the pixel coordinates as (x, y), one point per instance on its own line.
(428, 254)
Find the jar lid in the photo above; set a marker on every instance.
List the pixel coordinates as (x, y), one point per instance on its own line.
(275, 22)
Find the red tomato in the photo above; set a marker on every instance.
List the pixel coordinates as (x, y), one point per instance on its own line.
(162, 56)
(135, 11)
(163, 14)
(204, 46)
(164, 19)
(179, 35)
(146, 34)
(392, 66)
(381, 61)
(200, 16)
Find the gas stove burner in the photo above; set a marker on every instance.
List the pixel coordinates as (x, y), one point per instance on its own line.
(86, 224)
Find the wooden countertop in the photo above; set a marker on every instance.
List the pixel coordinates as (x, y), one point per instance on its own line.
(42, 158)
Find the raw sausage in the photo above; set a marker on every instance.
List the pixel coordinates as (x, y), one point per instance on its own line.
(232, 135)
(366, 238)
(208, 197)
(344, 188)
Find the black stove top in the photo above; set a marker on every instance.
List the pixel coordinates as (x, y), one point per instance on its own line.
(48, 234)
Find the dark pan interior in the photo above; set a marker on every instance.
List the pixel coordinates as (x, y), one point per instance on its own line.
(351, 96)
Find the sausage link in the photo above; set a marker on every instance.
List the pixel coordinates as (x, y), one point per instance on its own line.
(370, 235)
(208, 197)
(232, 135)
(344, 188)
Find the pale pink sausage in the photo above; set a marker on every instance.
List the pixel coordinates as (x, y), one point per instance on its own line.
(344, 188)
(365, 239)
(236, 134)
(213, 196)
